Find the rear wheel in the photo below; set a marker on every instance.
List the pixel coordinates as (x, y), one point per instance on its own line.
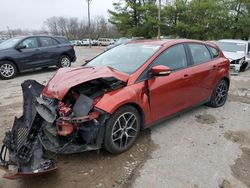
(8, 70)
(219, 95)
(64, 61)
(122, 129)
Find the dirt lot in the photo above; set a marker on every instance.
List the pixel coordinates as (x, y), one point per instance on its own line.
(202, 148)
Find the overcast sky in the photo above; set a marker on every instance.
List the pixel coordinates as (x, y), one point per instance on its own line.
(30, 14)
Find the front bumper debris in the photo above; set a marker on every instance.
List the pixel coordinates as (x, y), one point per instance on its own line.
(41, 128)
(21, 152)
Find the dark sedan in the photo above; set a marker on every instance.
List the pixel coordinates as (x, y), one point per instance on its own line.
(22, 53)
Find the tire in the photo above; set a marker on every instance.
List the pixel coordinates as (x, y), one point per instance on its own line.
(243, 67)
(8, 70)
(64, 61)
(119, 135)
(219, 95)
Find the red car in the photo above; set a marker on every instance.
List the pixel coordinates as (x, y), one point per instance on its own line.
(109, 100)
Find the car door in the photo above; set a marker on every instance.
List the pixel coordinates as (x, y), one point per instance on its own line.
(170, 94)
(202, 73)
(51, 50)
(29, 53)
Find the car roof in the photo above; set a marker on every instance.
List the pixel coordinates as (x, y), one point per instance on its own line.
(233, 41)
(164, 42)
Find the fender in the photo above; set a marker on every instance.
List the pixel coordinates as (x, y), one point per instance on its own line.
(133, 94)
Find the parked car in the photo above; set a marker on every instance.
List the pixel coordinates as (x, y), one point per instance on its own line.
(76, 42)
(94, 42)
(119, 42)
(86, 42)
(104, 41)
(107, 102)
(22, 53)
(237, 51)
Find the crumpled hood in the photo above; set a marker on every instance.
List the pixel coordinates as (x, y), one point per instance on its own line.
(66, 78)
(233, 55)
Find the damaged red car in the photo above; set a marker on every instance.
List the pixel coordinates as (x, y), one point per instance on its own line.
(105, 103)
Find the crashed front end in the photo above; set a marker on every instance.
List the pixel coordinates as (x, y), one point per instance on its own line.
(50, 126)
(236, 65)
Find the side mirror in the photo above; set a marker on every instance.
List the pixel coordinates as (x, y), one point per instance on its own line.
(161, 70)
(87, 61)
(20, 47)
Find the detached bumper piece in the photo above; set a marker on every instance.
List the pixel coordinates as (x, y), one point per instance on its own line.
(22, 151)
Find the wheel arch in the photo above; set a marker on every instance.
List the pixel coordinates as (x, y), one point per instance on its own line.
(137, 107)
(140, 110)
(227, 80)
(66, 54)
(12, 61)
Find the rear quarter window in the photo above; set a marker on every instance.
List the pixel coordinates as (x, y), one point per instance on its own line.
(62, 40)
(200, 53)
(214, 51)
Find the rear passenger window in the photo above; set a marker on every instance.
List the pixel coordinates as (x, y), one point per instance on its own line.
(215, 52)
(47, 41)
(174, 57)
(199, 53)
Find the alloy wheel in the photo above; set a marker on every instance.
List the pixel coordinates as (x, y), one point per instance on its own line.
(221, 93)
(7, 70)
(125, 130)
(65, 62)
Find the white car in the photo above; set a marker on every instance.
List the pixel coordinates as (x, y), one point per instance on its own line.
(238, 52)
(76, 42)
(85, 42)
(105, 41)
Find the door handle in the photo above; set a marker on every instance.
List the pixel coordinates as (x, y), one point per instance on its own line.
(186, 75)
(214, 67)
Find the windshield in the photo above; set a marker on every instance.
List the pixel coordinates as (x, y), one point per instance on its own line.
(232, 47)
(9, 43)
(125, 58)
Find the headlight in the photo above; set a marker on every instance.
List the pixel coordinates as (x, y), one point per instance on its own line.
(238, 61)
(242, 60)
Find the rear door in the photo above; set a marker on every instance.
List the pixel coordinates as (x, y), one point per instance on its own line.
(31, 55)
(51, 50)
(170, 94)
(203, 72)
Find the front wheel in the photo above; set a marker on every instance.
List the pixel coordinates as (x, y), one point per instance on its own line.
(64, 61)
(8, 70)
(219, 95)
(122, 129)
(244, 67)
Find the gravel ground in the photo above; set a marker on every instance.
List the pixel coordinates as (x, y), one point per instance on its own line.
(202, 148)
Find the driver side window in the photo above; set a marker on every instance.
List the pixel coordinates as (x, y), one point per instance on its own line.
(30, 43)
(174, 57)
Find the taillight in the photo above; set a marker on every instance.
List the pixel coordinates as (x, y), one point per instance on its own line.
(72, 46)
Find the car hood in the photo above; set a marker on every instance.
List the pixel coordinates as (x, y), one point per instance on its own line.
(233, 55)
(66, 78)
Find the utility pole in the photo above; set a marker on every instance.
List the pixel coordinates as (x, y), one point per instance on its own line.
(89, 23)
(9, 32)
(159, 20)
